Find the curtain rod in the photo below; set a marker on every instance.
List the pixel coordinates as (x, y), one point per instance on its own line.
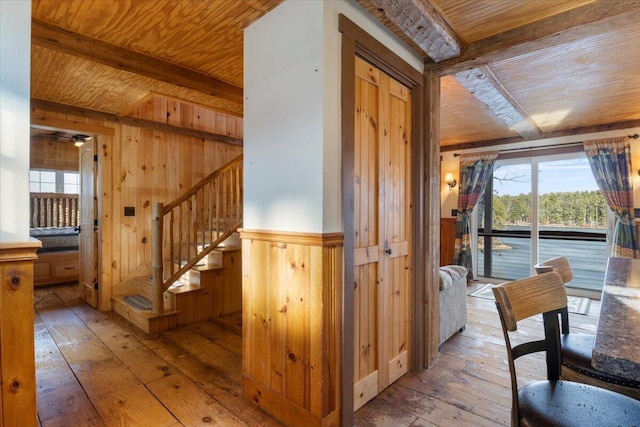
(547, 147)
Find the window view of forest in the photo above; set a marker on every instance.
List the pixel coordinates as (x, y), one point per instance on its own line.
(564, 209)
(572, 220)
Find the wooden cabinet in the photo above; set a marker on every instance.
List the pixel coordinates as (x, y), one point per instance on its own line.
(56, 267)
(17, 353)
(447, 240)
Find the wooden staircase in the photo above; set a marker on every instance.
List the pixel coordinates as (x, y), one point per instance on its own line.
(195, 271)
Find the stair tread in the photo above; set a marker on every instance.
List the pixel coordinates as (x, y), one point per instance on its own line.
(184, 288)
(147, 314)
(207, 266)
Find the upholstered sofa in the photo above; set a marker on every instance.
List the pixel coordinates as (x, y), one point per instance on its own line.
(453, 301)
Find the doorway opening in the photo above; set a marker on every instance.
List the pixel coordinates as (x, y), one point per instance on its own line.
(63, 208)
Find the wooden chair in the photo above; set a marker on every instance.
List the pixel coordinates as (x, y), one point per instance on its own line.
(553, 402)
(577, 347)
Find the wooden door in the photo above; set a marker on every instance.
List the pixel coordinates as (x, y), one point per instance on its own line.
(88, 230)
(382, 206)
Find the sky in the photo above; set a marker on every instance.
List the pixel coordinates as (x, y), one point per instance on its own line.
(555, 176)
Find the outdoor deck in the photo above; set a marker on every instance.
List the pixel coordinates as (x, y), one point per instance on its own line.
(588, 260)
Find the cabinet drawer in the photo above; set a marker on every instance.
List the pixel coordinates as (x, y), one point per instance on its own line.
(41, 271)
(67, 268)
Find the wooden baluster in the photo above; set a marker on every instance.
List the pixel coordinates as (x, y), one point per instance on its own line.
(217, 207)
(171, 240)
(180, 220)
(41, 209)
(33, 212)
(238, 199)
(224, 202)
(189, 225)
(208, 211)
(198, 225)
(55, 205)
(48, 214)
(63, 212)
(157, 262)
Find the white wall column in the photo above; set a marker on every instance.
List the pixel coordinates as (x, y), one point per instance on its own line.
(15, 63)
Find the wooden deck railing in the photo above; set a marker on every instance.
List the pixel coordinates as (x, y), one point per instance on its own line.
(54, 210)
(190, 227)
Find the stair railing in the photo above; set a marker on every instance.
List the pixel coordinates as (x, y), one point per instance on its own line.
(194, 224)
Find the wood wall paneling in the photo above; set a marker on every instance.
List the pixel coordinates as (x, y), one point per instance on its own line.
(291, 320)
(447, 240)
(49, 153)
(138, 167)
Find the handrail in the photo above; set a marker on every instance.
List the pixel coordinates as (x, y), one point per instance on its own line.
(193, 190)
(586, 236)
(188, 228)
(54, 210)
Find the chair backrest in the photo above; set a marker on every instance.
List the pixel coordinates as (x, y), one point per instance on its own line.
(518, 300)
(559, 264)
(563, 268)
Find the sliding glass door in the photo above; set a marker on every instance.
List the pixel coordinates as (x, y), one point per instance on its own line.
(538, 208)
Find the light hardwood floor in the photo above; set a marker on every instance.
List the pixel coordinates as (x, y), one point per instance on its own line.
(95, 369)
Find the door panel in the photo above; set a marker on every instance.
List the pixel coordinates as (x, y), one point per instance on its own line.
(88, 241)
(365, 255)
(382, 205)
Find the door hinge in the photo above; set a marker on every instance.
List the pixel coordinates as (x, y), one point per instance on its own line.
(95, 285)
(95, 222)
(95, 157)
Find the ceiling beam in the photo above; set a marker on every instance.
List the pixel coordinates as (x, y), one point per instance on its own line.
(576, 132)
(423, 24)
(126, 120)
(576, 24)
(75, 44)
(483, 84)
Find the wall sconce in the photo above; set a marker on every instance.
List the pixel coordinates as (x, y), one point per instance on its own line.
(451, 182)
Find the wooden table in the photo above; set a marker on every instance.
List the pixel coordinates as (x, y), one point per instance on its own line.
(617, 346)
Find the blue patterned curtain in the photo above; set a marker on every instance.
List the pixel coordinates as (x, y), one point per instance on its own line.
(475, 171)
(610, 161)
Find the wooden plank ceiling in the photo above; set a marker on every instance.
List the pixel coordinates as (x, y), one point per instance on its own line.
(510, 70)
(526, 69)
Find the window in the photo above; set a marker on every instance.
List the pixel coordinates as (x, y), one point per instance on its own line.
(42, 181)
(46, 181)
(71, 183)
(538, 208)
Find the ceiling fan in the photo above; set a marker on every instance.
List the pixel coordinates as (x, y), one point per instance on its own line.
(79, 139)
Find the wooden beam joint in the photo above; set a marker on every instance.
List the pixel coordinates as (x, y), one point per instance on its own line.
(577, 132)
(422, 23)
(567, 27)
(484, 85)
(130, 121)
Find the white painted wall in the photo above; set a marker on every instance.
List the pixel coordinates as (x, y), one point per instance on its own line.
(283, 119)
(292, 136)
(15, 64)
